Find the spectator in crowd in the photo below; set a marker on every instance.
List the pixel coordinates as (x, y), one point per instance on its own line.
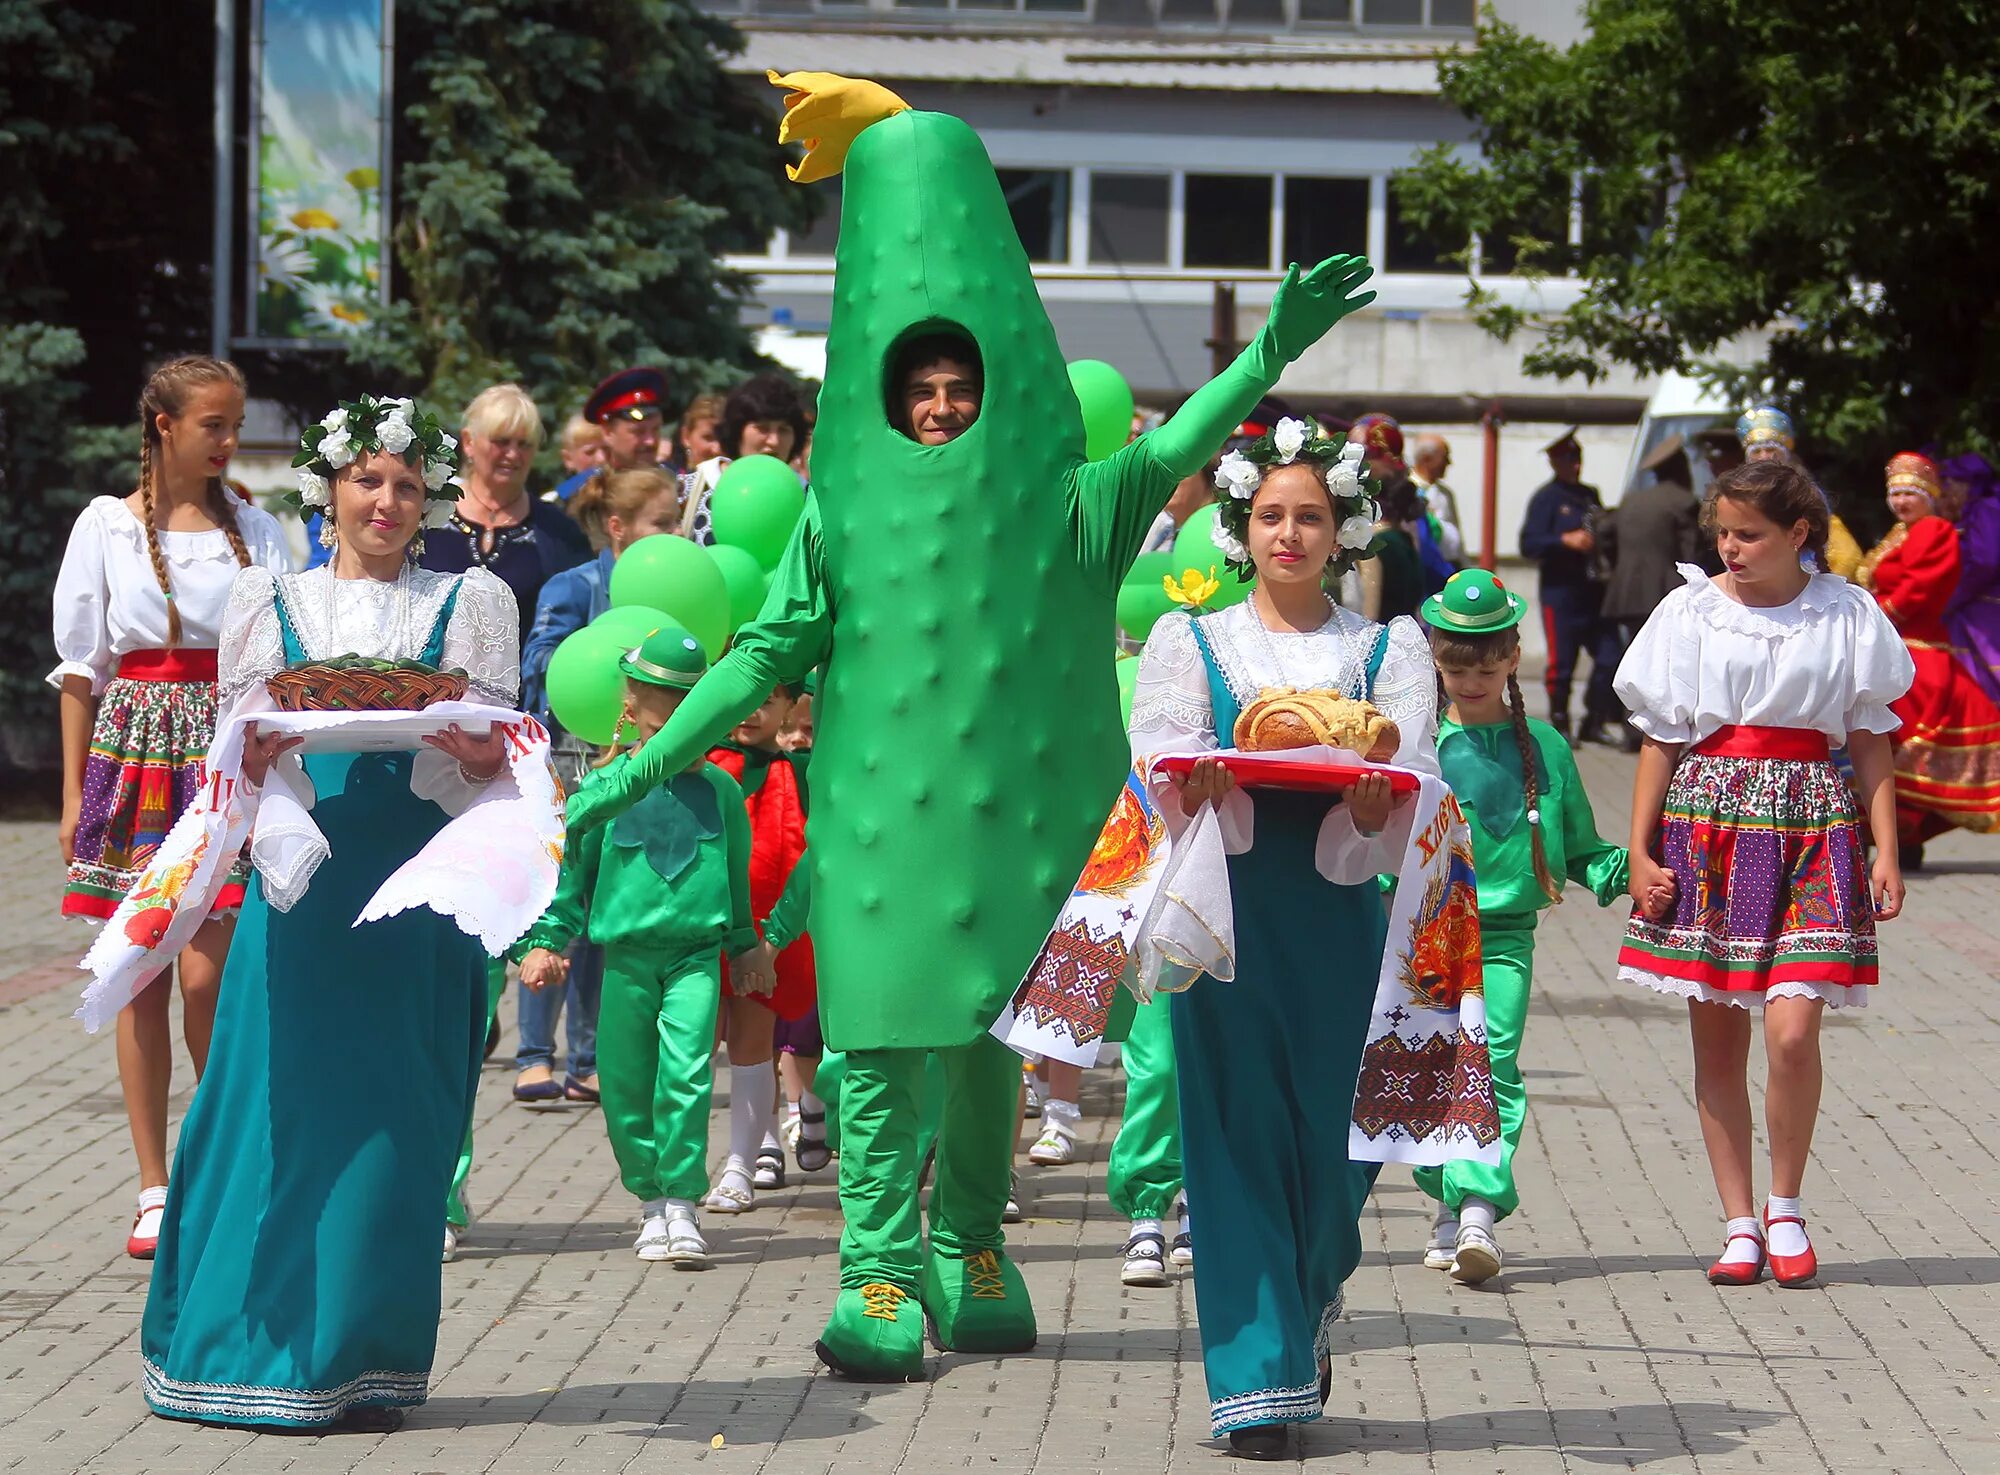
(628, 410)
(1392, 580)
(1556, 534)
(763, 416)
(582, 445)
(1430, 458)
(1653, 529)
(695, 438)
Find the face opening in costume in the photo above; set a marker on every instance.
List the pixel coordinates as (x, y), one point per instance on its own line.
(936, 382)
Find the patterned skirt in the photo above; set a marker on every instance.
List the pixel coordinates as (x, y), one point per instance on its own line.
(1773, 898)
(148, 760)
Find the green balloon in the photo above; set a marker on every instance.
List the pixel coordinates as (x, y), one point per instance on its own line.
(746, 580)
(586, 689)
(1106, 401)
(668, 573)
(755, 505)
(1150, 568)
(1140, 607)
(1128, 677)
(630, 624)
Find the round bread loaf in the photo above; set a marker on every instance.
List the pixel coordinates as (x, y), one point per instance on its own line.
(1283, 718)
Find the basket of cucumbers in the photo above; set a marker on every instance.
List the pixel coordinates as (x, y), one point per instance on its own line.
(364, 684)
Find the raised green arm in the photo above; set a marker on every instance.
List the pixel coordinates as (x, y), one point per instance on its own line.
(1118, 497)
(788, 639)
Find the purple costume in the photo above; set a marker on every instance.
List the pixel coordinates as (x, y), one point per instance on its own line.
(1973, 615)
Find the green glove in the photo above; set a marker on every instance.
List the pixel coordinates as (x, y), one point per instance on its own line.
(1305, 308)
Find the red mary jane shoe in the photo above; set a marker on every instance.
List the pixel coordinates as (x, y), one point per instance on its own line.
(1792, 1270)
(1726, 1273)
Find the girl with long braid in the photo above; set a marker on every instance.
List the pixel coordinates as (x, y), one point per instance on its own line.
(138, 608)
(1531, 825)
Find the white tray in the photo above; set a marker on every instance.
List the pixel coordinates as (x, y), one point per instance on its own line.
(375, 732)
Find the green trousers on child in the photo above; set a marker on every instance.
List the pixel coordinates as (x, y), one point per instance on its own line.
(455, 1212)
(1509, 966)
(655, 1043)
(1144, 1175)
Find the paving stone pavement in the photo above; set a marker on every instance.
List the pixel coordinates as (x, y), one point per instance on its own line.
(1600, 1348)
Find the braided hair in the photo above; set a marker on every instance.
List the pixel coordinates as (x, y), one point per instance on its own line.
(1456, 649)
(167, 393)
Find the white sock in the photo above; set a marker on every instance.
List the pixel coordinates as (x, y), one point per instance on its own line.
(1447, 1217)
(1475, 1213)
(1786, 1239)
(749, 1109)
(1146, 1226)
(812, 1103)
(1063, 1116)
(1743, 1251)
(652, 1208)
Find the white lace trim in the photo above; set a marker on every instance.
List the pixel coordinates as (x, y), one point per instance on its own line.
(252, 1403)
(1823, 594)
(1298, 1405)
(1833, 995)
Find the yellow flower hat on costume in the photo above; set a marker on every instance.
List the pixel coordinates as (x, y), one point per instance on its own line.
(826, 113)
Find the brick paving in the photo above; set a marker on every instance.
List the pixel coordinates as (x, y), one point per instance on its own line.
(1600, 1348)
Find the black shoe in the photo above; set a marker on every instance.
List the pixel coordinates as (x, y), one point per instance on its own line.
(1325, 1380)
(1261, 1442)
(1561, 724)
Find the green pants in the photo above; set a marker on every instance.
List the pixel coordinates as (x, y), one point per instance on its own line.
(882, 1107)
(655, 1041)
(454, 1205)
(1509, 966)
(833, 1071)
(1144, 1175)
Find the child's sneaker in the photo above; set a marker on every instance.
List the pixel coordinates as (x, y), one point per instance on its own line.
(1475, 1256)
(1012, 1214)
(1444, 1239)
(1057, 1144)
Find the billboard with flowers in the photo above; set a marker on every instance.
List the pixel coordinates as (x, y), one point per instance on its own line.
(320, 223)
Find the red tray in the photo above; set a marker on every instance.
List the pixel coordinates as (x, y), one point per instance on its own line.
(1280, 773)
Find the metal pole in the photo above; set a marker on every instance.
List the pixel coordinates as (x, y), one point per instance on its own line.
(225, 171)
(1489, 492)
(1222, 328)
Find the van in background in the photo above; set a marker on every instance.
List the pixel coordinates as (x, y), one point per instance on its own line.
(1680, 405)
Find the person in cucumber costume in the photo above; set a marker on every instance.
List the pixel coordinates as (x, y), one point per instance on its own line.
(954, 575)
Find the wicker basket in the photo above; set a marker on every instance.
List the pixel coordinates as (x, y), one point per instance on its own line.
(322, 687)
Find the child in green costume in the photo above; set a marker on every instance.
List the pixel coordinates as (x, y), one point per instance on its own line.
(955, 575)
(1531, 825)
(666, 892)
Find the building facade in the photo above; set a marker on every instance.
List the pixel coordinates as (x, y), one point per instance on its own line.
(1154, 150)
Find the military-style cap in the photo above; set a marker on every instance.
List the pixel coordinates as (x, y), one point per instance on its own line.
(630, 394)
(1567, 438)
(668, 657)
(1474, 602)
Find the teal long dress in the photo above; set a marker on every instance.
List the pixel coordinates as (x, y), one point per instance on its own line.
(1267, 1068)
(298, 1274)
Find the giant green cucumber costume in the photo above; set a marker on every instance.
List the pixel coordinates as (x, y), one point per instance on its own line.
(967, 743)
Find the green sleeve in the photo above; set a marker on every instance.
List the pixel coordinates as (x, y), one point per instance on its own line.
(563, 922)
(789, 918)
(790, 637)
(1118, 498)
(736, 839)
(1589, 859)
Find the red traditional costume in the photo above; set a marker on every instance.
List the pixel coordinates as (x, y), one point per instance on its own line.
(1948, 750)
(776, 799)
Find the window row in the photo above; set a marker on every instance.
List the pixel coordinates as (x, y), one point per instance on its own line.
(1111, 219)
(1452, 15)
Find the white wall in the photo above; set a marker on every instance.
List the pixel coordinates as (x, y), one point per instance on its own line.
(1559, 22)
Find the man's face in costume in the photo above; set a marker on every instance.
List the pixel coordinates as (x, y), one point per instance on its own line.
(941, 400)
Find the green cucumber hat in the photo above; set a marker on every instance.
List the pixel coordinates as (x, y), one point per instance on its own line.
(1474, 602)
(668, 657)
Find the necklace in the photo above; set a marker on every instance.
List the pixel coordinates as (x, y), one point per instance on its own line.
(400, 622)
(1350, 657)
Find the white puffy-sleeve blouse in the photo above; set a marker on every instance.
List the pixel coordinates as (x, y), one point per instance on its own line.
(108, 600)
(1830, 661)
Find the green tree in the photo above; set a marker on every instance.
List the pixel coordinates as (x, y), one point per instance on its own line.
(1825, 174)
(568, 174)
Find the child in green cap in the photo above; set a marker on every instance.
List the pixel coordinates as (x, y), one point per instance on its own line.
(665, 890)
(1531, 824)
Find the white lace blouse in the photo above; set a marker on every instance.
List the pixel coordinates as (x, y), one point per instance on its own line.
(1830, 661)
(385, 620)
(107, 598)
(1172, 711)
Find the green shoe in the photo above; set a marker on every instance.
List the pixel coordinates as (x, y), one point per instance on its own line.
(978, 1303)
(875, 1335)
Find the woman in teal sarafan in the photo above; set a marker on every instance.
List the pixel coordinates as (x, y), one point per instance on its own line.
(1268, 1063)
(955, 575)
(297, 1281)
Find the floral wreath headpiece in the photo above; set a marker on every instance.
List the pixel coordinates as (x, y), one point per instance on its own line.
(365, 425)
(1347, 482)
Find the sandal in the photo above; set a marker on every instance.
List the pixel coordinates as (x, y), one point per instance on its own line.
(811, 1149)
(770, 1170)
(1145, 1259)
(537, 1083)
(733, 1194)
(581, 1088)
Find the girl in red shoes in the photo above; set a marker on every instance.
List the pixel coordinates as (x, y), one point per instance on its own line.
(1741, 683)
(138, 607)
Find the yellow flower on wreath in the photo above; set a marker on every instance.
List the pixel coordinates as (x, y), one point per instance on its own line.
(1193, 589)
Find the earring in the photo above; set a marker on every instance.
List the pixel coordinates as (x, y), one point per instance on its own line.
(328, 537)
(415, 549)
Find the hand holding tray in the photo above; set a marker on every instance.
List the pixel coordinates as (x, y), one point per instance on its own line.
(1313, 770)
